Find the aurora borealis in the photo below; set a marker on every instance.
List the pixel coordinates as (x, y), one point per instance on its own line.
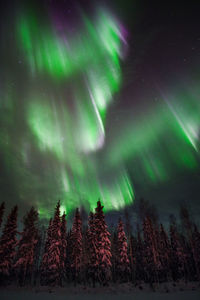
(65, 87)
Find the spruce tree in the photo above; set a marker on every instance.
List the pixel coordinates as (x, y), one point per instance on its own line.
(68, 257)
(187, 224)
(76, 247)
(85, 257)
(139, 258)
(191, 269)
(196, 250)
(114, 257)
(44, 261)
(8, 243)
(123, 263)
(176, 253)
(38, 254)
(51, 263)
(151, 258)
(63, 246)
(186, 257)
(103, 246)
(92, 249)
(164, 255)
(27, 246)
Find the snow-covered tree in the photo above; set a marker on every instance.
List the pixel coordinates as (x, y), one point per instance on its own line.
(38, 254)
(85, 257)
(63, 252)
(103, 245)
(76, 247)
(68, 256)
(123, 263)
(27, 246)
(51, 266)
(114, 257)
(8, 243)
(44, 261)
(151, 256)
(91, 249)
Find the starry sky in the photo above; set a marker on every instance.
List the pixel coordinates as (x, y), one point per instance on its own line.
(99, 100)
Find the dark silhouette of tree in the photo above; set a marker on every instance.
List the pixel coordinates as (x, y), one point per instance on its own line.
(164, 255)
(187, 224)
(186, 257)
(123, 263)
(128, 226)
(27, 246)
(2, 208)
(8, 243)
(103, 246)
(139, 255)
(189, 227)
(76, 247)
(176, 253)
(196, 250)
(147, 210)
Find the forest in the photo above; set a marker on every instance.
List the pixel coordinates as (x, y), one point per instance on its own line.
(95, 255)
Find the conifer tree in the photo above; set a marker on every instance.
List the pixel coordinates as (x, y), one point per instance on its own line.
(176, 253)
(63, 246)
(186, 257)
(85, 257)
(103, 246)
(8, 243)
(68, 257)
(139, 255)
(38, 254)
(123, 263)
(114, 257)
(196, 250)
(2, 208)
(132, 248)
(151, 258)
(187, 224)
(51, 263)
(76, 246)
(27, 246)
(92, 249)
(164, 255)
(44, 261)
(191, 269)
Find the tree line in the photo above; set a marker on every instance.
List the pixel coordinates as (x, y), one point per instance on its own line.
(93, 255)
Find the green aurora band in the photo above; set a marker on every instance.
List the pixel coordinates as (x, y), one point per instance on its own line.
(72, 81)
(89, 66)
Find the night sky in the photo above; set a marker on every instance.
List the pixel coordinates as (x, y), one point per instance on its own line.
(100, 101)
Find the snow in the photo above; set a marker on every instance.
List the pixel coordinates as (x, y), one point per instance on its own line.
(190, 291)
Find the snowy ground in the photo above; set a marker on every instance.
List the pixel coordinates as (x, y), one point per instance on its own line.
(191, 291)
